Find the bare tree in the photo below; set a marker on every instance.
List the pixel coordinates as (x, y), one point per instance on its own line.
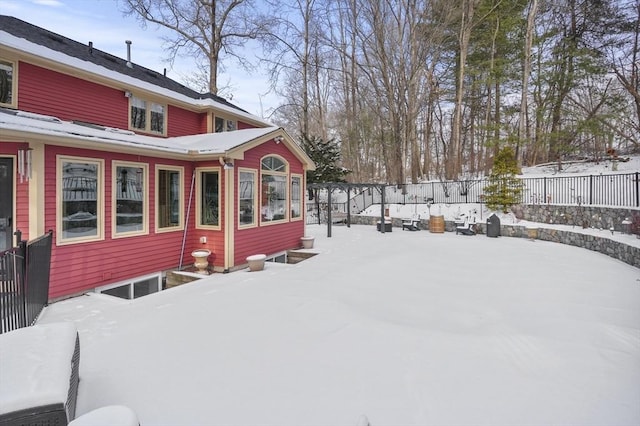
(203, 29)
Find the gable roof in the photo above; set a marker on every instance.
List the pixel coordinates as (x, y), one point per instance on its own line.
(25, 126)
(31, 39)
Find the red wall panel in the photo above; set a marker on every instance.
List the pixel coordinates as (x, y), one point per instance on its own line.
(182, 122)
(48, 92)
(43, 91)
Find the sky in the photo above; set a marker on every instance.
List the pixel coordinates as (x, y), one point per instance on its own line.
(102, 22)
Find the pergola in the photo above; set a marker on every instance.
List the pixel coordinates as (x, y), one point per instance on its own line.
(329, 186)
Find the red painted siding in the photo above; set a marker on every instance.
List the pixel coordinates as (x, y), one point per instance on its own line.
(182, 122)
(242, 125)
(272, 238)
(83, 266)
(21, 221)
(48, 92)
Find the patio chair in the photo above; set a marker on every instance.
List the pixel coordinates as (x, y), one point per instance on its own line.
(411, 224)
(467, 228)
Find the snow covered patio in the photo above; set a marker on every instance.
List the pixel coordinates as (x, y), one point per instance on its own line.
(403, 328)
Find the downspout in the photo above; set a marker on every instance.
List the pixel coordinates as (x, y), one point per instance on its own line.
(186, 219)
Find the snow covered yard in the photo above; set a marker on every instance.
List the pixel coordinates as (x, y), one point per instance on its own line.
(405, 328)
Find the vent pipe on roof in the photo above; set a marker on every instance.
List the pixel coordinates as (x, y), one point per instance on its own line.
(129, 64)
(91, 47)
(165, 72)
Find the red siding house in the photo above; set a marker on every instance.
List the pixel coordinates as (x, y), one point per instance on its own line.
(133, 171)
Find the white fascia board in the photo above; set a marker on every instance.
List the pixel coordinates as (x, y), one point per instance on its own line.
(201, 144)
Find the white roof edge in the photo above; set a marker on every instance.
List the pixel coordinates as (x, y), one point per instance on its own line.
(26, 46)
(201, 144)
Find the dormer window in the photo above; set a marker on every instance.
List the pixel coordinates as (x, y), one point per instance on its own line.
(7, 83)
(147, 116)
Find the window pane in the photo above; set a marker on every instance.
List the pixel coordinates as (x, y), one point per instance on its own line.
(168, 198)
(219, 125)
(130, 184)
(274, 197)
(121, 292)
(6, 82)
(157, 118)
(247, 197)
(145, 287)
(231, 125)
(79, 199)
(138, 113)
(209, 201)
(274, 164)
(296, 197)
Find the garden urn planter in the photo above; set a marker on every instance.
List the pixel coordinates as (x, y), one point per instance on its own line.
(307, 242)
(256, 262)
(201, 262)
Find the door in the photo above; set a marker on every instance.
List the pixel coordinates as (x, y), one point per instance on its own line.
(6, 203)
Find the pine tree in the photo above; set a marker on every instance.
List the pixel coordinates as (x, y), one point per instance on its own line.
(504, 188)
(327, 158)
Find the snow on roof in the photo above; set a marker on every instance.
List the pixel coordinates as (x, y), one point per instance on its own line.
(208, 143)
(23, 45)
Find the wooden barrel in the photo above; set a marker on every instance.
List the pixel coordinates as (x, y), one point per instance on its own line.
(436, 224)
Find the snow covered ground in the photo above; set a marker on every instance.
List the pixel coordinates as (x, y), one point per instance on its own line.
(401, 328)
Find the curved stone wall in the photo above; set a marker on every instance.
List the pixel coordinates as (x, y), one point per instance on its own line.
(618, 250)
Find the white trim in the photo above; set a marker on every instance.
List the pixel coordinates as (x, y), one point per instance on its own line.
(99, 193)
(180, 225)
(131, 283)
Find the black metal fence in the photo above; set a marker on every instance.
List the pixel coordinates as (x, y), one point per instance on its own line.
(618, 190)
(24, 282)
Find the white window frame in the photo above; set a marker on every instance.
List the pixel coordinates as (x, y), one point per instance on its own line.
(300, 195)
(99, 192)
(14, 83)
(148, 108)
(254, 206)
(228, 125)
(199, 171)
(287, 182)
(114, 199)
(131, 284)
(180, 225)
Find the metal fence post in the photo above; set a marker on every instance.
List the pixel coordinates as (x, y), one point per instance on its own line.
(637, 189)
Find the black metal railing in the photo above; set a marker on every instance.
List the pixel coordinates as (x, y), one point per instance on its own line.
(618, 190)
(24, 282)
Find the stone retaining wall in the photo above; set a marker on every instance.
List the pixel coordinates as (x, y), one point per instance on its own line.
(584, 216)
(617, 250)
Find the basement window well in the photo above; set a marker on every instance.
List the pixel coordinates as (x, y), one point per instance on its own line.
(132, 289)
